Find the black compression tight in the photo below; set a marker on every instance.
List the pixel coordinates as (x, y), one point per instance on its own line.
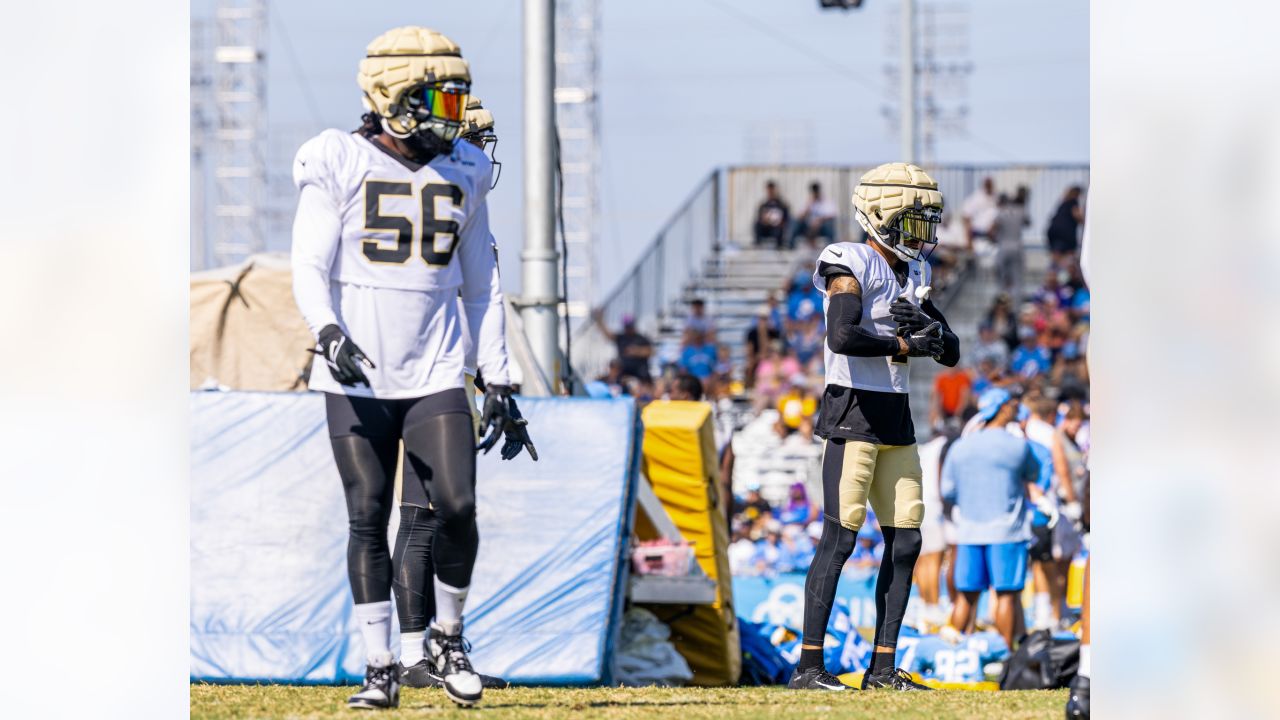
(834, 549)
(413, 584)
(893, 585)
(368, 469)
(440, 474)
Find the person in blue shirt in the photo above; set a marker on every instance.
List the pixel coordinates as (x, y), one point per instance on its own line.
(795, 551)
(804, 299)
(699, 357)
(989, 480)
(1030, 358)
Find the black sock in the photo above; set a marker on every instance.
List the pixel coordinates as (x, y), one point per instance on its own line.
(882, 660)
(810, 658)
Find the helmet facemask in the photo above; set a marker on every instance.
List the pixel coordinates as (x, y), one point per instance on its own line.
(899, 205)
(432, 112)
(919, 227)
(910, 232)
(488, 142)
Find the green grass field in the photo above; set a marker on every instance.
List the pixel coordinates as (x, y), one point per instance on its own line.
(223, 702)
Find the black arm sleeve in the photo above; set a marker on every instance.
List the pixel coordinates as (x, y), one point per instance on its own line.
(844, 337)
(950, 343)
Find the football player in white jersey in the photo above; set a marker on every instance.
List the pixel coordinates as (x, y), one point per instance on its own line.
(878, 316)
(476, 130)
(392, 225)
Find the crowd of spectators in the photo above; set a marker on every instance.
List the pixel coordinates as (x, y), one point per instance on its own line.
(770, 539)
(1031, 342)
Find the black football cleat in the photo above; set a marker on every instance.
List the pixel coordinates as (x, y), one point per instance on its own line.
(895, 678)
(815, 678)
(449, 654)
(423, 675)
(1078, 700)
(381, 688)
(419, 675)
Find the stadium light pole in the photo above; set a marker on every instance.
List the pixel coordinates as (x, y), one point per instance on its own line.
(907, 84)
(539, 299)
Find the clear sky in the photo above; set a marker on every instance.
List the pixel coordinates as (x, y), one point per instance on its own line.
(686, 85)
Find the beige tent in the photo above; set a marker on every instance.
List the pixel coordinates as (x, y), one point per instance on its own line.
(246, 331)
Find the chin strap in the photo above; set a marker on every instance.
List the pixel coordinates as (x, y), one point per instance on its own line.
(422, 150)
(896, 250)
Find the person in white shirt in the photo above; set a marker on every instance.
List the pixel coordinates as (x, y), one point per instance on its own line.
(819, 216)
(391, 228)
(979, 212)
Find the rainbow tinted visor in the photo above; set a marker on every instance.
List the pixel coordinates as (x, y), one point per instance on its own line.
(440, 101)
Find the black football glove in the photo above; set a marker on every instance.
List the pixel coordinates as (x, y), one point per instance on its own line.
(517, 435)
(342, 356)
(909, 316)
(494, 415)
(926, 342)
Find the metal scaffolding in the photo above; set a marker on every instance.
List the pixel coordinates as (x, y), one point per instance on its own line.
(240, 175)
(200, 84)
(937, 37)
(578, 121)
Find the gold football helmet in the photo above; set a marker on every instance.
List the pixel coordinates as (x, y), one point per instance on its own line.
(477, 129)
(899, 206)
(416, 81)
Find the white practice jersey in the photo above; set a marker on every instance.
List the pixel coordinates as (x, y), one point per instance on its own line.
(879, 289)
(401, 258)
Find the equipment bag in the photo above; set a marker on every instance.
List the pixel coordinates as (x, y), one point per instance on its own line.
(1042, 662)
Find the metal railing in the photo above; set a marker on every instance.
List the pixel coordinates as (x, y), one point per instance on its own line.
(721, 210)
(1045, 183)
(683, 245)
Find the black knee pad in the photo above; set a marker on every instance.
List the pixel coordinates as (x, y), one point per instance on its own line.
(843, 539)
(906, 543)
(456, 511)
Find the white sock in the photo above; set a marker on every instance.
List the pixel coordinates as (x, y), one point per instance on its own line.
(1084, 660)
(449, 603)
(1043, 610)
(412, 648)
(375, 625)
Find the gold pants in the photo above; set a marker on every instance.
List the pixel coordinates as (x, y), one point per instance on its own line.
(854, 472)
(470, 382)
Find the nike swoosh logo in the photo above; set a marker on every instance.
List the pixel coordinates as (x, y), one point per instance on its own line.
(830, 687)
(303, 163)
(837, 253)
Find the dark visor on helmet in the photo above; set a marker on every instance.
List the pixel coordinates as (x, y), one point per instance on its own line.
(921, 225)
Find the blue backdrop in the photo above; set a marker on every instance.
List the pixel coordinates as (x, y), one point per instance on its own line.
(269, 594)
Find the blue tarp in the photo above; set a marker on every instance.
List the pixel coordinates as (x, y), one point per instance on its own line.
(779, 599)
(269, 594)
